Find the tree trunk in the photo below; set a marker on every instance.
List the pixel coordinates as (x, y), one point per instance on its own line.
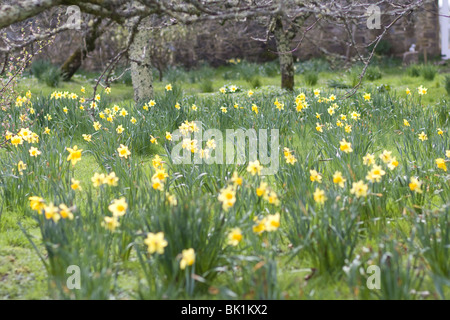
(73, 63)
(141, 71)
(283, 41)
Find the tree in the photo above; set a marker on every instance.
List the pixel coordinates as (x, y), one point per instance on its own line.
(284, 15)
(135, 15)
(296, 19)
(73, 63)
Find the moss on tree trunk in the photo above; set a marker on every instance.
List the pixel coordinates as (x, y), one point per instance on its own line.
(283, 40)
(141, 71)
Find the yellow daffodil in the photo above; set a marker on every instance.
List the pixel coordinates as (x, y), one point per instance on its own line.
(187, 258)
(155, 243)
(75, 155)
(234, 237)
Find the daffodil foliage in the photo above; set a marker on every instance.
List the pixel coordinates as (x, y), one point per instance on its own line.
(361, 182)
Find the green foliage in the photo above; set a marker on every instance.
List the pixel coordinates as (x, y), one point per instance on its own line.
(206, 85)
(52, 77)
(354, 77)
(447, 84)
(373, 73)
(124, 76)
(311, 78)
(313, 65)
(413, 70)
(255, 82)
(40, 67)
(337, 84)
(383, 48)
(428, 72)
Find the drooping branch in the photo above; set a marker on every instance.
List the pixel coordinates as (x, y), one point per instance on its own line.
(24, 9)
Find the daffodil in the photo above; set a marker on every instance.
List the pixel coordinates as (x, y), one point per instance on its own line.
(345, 146)
(441, 164)
(118, 207)
(187, 258)
(110, 223)
(386, 156)
(369, 159)
(65, 212)
(75, 184)
(227, 197)
(37, 203)
(375, 174)
(314, 176)
(123, 151)
(16, 140)
(34, 152)
(98, 179)
(272, 222)
(415, 184)
(111, 179)
(97, 125)
(319, 196)
(359, 189)
(51, 212)
(157, 184)
(236, 179)
(87, 137)
(255, 108)
(234, 237)
(155, 243)
(339, 179)
(74, 155)
(254, 167)
(423, 136)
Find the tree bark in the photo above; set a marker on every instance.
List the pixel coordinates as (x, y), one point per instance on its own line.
(283, 41)
(21, 10)
(73, 63)
(141, 71)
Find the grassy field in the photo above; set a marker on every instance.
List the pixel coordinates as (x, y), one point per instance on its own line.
(327, 230)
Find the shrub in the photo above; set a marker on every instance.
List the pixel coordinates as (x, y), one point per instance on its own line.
(271, 69)
(121, 75)
(311, 78)
(52, 77)
(255, 82)
(126, 78)
(198, 74)
(338, 84)
(39, 67)
(317, 65)
(206, 85)
(174, 75)
(373, 73)
(413, 71)
(354, 77)
(248, 71)
(428, 71)
(447, 84)
(383, 48)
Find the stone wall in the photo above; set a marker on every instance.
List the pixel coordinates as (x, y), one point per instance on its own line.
(420, 28)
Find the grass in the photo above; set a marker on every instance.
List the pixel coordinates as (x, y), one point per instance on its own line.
(395, 76)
